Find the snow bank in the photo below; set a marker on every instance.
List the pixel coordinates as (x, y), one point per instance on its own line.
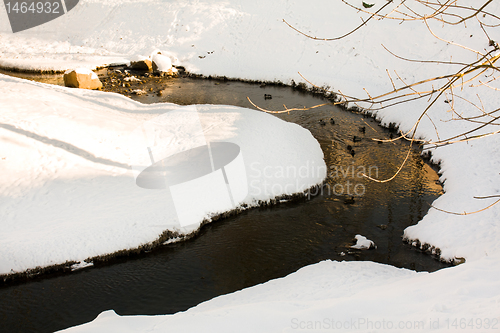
(67, 188)
(249, 40)
(339, 297)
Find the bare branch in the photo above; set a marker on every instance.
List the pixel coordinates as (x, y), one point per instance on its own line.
(466, 213)
(345, 35)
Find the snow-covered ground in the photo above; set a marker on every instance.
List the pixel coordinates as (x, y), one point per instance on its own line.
(249, 40)
(70, 159)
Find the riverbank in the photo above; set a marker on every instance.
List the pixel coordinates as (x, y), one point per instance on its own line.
(183, 90)
(250, 41)
(67, 156)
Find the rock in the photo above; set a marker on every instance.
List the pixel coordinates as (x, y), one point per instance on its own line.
(82, 78)
(144, 64)
(139, 92)
(161, 64)
(132, 78)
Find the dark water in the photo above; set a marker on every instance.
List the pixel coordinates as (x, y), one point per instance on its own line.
(259, 244)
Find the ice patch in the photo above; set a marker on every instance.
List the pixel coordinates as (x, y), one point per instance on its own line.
(363, 243)
(81, 265)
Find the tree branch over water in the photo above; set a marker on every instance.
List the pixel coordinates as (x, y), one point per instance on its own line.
(462, 76)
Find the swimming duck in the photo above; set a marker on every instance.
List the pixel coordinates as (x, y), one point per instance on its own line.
(356, 139)
(349, 147)
(332, 121)
(362, 129)
(349, 201)
(268, 96)
(322, 122)
(352, 152)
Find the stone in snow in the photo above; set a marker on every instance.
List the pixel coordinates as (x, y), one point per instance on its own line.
(81, 78)
(144, 64)
(161, 63)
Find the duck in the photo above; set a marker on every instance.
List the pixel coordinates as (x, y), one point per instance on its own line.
(391, 136)
(268, 96)
(349, 201)
(322, 122)
(332, 121)
(352, 152)
(362, 129)
(349, 147)
(356, 139)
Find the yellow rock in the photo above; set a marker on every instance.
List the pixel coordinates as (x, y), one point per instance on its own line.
(82, 78)
(142, 65)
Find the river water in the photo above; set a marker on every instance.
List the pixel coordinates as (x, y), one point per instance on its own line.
(259, 244)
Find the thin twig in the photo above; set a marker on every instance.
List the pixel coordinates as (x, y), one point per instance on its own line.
(465, 213)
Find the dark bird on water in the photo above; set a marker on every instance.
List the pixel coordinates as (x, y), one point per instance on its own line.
(362, 129)
(268, 96)
(356, 139)
(332, 121)
(322, 122)
(349, 201)
(350, 150)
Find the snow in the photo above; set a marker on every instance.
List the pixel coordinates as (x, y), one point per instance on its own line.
(249, 40)
(66, 176)
(131, 78)
(84, 71)
(163, 63)
(357, 296)
(81, 265)
(363, 243)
